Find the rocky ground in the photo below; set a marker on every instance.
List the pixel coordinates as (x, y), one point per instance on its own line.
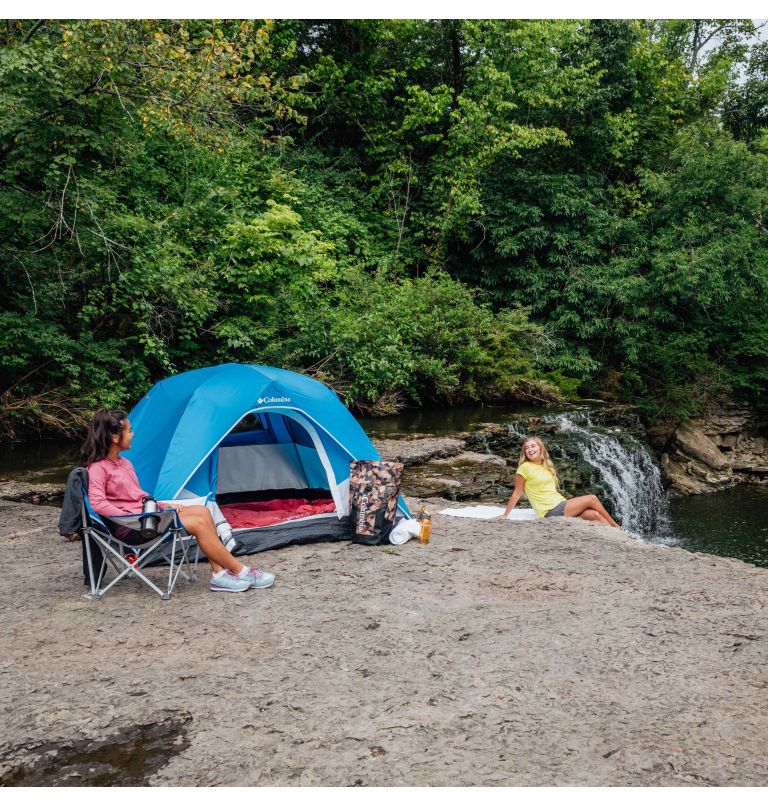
(443, 466)
(726, 445)
(531, 653)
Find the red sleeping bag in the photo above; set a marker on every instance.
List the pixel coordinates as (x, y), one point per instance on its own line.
(267, 513)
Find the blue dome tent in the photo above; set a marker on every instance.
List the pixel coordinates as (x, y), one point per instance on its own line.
(245, 432)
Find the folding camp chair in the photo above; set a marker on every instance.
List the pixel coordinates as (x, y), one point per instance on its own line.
(128, 556)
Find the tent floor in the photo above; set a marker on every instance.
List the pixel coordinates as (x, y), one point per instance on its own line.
(316, 529)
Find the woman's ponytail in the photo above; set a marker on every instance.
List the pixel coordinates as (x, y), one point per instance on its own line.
(106, 423)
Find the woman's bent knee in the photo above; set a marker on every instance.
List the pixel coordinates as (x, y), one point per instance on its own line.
(195, 519)
(195, 514)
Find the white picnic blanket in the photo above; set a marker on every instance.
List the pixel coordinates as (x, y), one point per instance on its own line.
(485, 512)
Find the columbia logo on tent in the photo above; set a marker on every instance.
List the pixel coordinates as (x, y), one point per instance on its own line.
(273, 400)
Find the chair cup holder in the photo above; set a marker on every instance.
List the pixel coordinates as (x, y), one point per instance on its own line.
(149, 525)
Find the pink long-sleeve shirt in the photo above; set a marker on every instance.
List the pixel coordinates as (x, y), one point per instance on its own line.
(113, 487)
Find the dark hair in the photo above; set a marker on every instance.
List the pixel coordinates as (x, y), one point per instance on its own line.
(105, 424)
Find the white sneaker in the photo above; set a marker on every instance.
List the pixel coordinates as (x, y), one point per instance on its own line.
(256, 578)
(229, 582)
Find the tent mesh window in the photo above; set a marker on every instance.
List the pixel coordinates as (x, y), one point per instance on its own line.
(251, 422)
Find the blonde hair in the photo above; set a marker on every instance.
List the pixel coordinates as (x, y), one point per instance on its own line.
(545, 460)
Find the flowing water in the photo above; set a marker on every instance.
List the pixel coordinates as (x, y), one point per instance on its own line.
(624, 469)
(591, 452)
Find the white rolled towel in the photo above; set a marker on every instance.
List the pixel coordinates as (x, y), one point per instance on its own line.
(404, 530)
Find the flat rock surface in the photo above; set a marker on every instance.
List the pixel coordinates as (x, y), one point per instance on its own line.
(418, 450)
(469, 458)
(530, 653)
(30, 492)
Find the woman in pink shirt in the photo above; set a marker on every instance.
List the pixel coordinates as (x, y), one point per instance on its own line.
(114, 489)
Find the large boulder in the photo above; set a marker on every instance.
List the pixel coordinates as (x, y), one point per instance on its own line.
(694, 443)
(693, 464)
(470, 457)
(692, 477)
(725, 445)
(728, 418)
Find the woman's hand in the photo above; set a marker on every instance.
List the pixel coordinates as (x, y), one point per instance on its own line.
(176, 507)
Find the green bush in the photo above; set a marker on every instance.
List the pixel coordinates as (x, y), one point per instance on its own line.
(383, 344)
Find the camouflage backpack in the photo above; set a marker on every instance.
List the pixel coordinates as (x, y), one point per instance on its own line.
(374, 487)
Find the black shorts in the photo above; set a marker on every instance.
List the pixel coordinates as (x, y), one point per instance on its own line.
(557, 511)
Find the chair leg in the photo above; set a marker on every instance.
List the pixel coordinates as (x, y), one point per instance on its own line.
(191, 574)
(113, 550)
(177, 567)
(95, 593)
(197, 561)
(184, 565)
(171, 563)
(132, 569)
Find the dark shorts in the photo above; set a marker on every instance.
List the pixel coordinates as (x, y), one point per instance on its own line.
(559, 510)
(123, 532)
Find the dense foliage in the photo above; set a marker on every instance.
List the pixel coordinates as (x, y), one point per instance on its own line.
(413, 211)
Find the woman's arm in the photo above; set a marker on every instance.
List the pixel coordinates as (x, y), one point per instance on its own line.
(515, 497)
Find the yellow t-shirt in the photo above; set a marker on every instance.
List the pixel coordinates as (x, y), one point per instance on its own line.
(540, 487)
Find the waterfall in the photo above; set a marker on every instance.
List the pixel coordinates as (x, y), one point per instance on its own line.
(624, 469)
(486, 445)
(515, 431)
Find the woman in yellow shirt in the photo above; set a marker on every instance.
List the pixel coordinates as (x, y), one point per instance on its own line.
(536, 477)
